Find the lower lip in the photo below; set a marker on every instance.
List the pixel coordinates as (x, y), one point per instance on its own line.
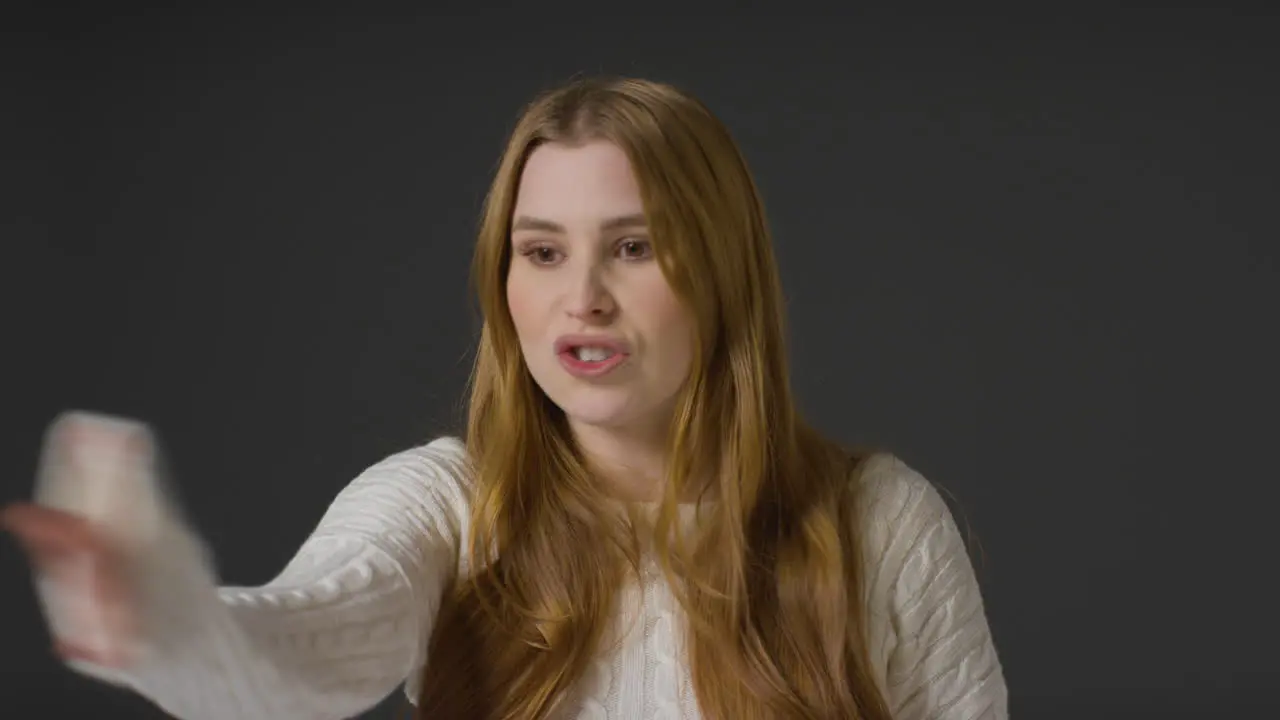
(582, 368)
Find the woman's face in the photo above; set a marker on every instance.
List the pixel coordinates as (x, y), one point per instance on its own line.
(601, 330)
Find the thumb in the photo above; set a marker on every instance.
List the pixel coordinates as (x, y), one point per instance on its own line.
(45, 532)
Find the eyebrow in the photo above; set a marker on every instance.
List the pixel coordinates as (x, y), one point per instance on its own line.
(524, 222)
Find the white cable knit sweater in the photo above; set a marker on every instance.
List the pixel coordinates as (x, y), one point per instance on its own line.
(347, 620)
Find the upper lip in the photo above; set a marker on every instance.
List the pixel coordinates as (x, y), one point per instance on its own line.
(568, 342)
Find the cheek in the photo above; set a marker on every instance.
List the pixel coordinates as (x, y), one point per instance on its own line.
(522, 305)
(671, 323)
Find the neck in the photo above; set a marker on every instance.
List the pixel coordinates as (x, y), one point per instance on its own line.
(632, 462)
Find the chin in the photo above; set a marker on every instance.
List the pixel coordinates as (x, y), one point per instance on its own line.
(597, 407)
(598, 415)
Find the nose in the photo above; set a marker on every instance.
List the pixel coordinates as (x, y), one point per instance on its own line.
(588, 299)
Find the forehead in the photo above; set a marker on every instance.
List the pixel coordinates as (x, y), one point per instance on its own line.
(564, 182)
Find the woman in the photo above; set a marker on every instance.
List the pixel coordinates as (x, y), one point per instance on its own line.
(638, 524)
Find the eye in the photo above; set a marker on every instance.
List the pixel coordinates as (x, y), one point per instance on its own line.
(540, 254)
(635, 249)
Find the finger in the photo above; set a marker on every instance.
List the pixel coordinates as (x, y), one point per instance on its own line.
(48, 528)
(25, 516)
(71, 651)
(68, 650)
(54, 544)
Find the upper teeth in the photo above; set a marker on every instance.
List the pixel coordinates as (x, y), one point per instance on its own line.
(593, 354)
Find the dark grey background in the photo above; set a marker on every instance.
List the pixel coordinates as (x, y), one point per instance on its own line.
(1035, 256)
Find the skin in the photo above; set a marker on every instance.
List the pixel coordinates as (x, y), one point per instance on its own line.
(79, 557)
(583, 263)
(55, 542)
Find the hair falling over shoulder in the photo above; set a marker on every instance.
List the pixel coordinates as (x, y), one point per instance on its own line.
(771, 579)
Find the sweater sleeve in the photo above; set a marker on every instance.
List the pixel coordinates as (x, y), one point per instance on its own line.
(941, 662)
(334, 633)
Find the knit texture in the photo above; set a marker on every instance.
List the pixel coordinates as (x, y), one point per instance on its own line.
(347, 621)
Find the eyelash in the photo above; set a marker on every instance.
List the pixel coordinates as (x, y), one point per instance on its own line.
(531, 250)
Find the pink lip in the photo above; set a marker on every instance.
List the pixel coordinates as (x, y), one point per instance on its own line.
(566, 344)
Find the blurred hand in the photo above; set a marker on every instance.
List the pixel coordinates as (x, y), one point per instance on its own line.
(85, 579)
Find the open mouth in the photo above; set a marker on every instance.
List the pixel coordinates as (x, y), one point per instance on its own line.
(591, 360)
(592, 354)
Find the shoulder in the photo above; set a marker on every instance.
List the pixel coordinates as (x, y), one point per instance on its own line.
(929, 626)
(891, 492)
(906, 526)
(440, 468)
(443, 459)
(420, 487)
(920, 577)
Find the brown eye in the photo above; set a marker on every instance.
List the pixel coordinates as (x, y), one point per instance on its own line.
(541, 254)
(635, 249)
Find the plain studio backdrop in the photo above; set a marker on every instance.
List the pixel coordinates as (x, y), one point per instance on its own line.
(1036, 257)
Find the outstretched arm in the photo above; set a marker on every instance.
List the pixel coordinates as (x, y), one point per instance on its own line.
(332, 635)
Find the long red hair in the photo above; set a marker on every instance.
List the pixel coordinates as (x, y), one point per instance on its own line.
(771, 576)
